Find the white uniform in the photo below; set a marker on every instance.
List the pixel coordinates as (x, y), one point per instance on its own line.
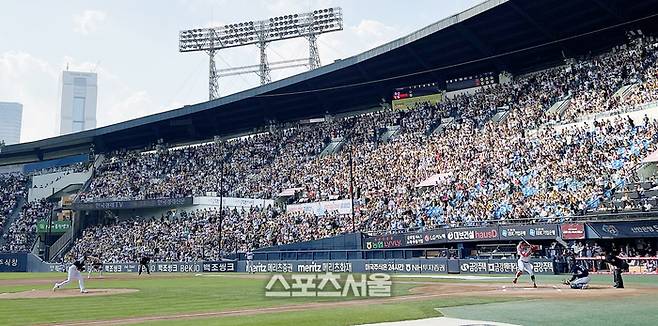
(73, 274)
(250, 257)
(524, 263)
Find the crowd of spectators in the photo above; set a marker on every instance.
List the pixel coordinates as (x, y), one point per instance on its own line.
(22, 233)
(195, 235)
(501, 171)
(12, 188)
(598, 78)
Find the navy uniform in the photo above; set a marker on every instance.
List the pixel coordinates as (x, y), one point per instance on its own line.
(579, 277)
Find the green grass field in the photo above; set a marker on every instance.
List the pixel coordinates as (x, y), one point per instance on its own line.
(171, 295)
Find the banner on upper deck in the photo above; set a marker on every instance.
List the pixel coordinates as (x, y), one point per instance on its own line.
(133, 204)
(342, 207)
(537, 232)
(630, 229)
(472, 234)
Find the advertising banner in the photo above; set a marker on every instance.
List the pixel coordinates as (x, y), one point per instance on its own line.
(233, 202)
(133, 204)
(502, 266)
(413, 266)
(167, 267)
(343, 207)
(572, 231)
(56, 226)
(300, 266)
(635, 229)
(435, 236)
(385, 242)
(472, 234)
(538, 232)
(219, 266)
(13, 262)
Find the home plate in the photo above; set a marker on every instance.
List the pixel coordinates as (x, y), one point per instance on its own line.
(441, 321)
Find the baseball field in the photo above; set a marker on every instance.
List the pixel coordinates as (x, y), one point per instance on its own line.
(239, 299)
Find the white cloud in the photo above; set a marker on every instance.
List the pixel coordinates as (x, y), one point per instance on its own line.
(31, 81)
(281, 7)
(87, 22)
(130, 105)
(373, 33)
(36, 83)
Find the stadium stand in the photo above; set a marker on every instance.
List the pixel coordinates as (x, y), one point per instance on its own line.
(12, 190)
(22, 233)
(522, 168)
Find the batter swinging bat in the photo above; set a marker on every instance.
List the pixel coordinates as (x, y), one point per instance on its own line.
(532, 247)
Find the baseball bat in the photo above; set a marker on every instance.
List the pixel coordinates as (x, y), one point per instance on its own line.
(526, 241)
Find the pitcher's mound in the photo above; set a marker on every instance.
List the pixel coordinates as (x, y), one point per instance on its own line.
(63, 293)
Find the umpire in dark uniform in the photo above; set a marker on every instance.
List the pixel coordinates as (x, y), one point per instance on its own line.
(618, 266)
(144, 262)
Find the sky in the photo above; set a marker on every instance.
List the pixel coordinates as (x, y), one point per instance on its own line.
(133, 47)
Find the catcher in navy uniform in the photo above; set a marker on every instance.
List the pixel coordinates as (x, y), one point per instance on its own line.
(579, 276)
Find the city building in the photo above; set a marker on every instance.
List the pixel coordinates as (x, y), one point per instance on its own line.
(78, 111)
(11, 115)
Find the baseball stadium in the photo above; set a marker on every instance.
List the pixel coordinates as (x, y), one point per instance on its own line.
(497, 167)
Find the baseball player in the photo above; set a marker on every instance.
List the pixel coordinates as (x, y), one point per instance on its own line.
(74, 274)
(250, 257)
(96, 265)
(579, 276)
(144, 262)
(524, 250)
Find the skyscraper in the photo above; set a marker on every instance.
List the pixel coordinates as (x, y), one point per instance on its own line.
(78, 111)
(11, 115)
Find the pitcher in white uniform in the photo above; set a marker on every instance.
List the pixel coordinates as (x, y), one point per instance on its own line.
(74, 274)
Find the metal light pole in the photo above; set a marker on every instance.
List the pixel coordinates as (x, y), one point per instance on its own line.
(352, 186)
(221, 202)
(218, 143)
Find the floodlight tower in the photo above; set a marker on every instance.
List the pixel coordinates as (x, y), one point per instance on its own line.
(260, 33)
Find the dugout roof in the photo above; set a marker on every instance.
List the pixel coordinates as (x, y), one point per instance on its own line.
(497, 35)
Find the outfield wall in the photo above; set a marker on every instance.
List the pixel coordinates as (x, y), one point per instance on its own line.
(26, 262)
